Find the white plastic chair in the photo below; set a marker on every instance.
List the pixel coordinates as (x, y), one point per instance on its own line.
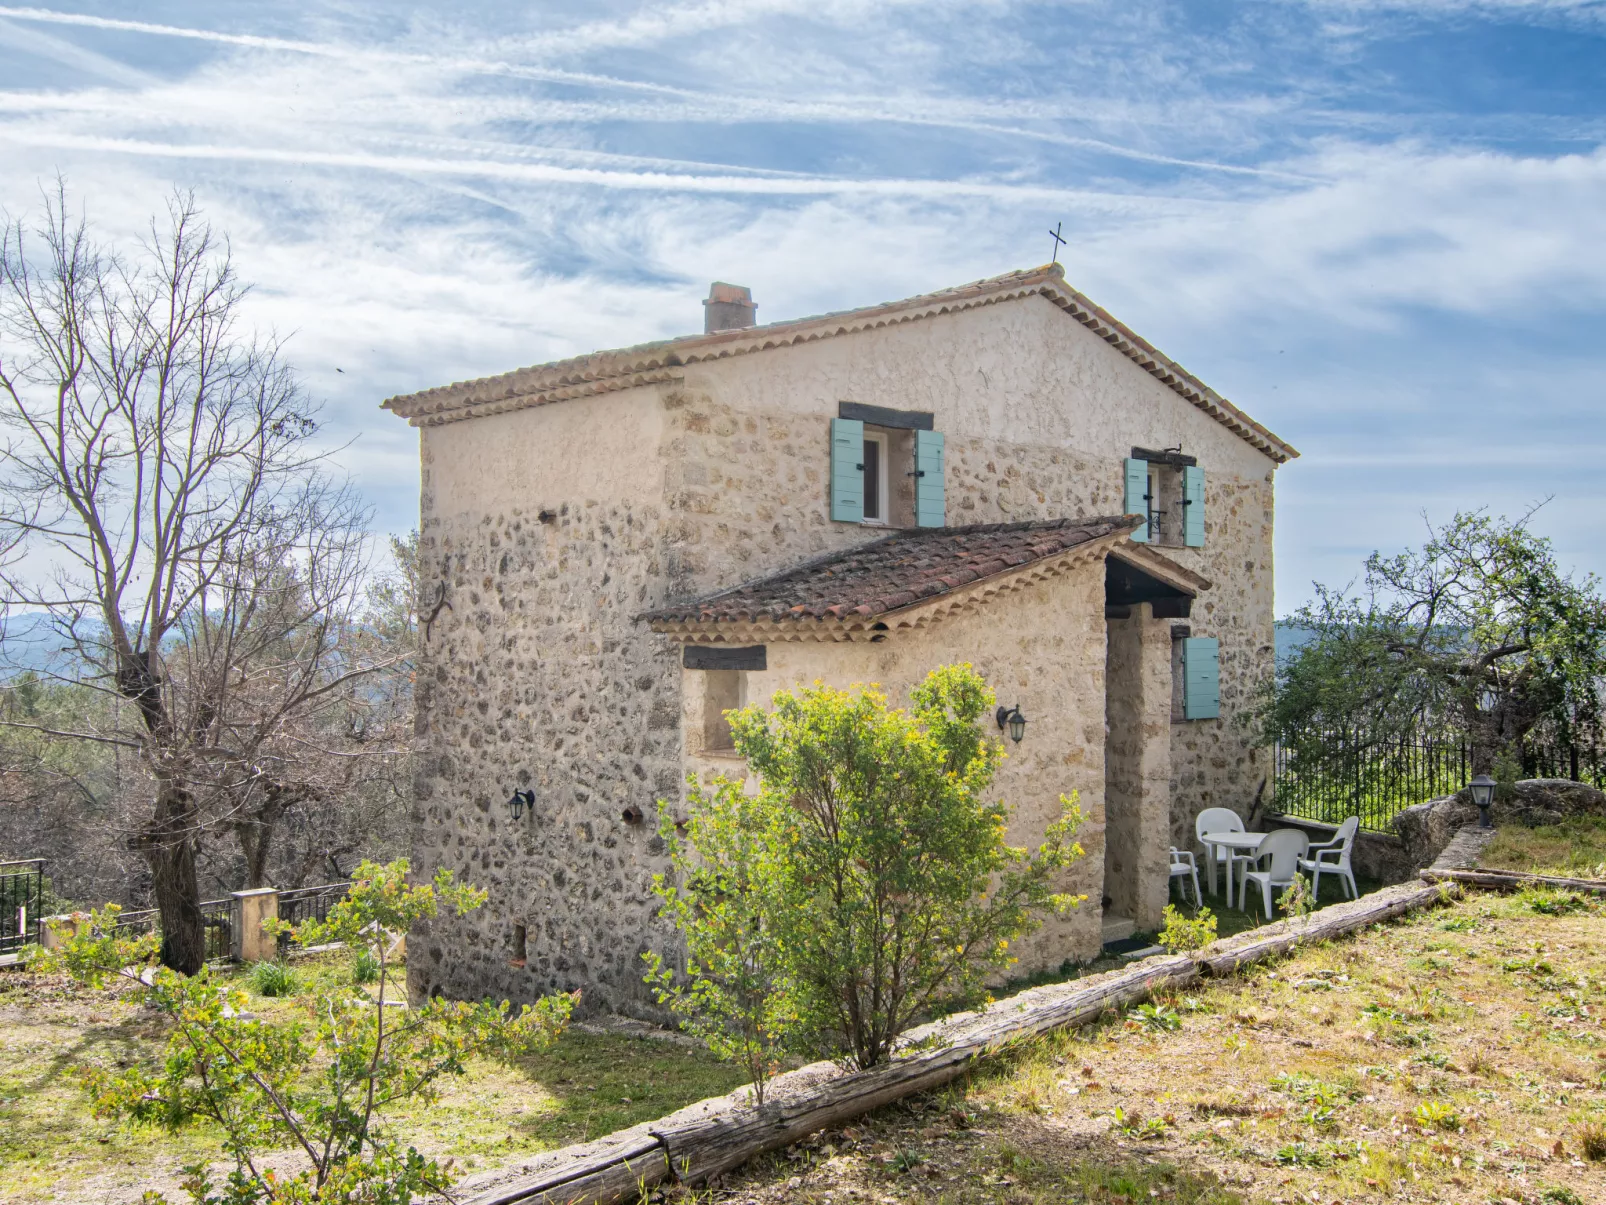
(1220, 820)
(1333, 857)
(1184, 867)
(1279, 858)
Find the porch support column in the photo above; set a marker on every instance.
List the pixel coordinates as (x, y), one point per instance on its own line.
(1138, 867)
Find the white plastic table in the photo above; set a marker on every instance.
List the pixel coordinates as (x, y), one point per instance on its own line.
(1235, 842)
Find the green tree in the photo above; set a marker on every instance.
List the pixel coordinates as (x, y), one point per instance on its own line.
(1478, 634)
(316, 1084)
(869, 872)
(733, 995)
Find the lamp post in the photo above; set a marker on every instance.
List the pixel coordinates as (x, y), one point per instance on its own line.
(1482, 788)
(1010, 719)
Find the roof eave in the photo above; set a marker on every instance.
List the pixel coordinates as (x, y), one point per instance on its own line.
(652, 363)
(876, 627)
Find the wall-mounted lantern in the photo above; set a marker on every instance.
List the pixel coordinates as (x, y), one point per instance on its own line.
(520, 800)
(1010, 719)
(1482, 788)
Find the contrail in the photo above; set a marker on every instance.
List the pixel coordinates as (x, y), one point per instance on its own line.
(854, 110)
(598, 177)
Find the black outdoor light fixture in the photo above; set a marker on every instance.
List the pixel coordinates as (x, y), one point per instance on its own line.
(1012, 719)
(520, 800)
(1482, 788)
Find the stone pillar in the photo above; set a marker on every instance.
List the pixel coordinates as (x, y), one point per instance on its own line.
(251, 908)
(1138, 767)
(67, 926)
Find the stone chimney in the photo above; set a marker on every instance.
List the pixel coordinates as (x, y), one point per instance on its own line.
(728, 308)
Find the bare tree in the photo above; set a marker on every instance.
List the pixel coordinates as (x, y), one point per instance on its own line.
(180, 527)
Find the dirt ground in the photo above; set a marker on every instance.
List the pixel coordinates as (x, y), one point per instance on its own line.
(52, 1149)
(1458, 1055)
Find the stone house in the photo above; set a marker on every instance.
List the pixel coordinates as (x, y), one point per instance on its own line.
(617, 548)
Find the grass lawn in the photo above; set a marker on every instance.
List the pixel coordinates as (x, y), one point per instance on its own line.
(53, 1149)
(1458, 1055)
(1574, 849)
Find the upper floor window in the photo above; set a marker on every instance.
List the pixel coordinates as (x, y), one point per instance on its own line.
(886, 467)
(1167, 489)
(876, 509)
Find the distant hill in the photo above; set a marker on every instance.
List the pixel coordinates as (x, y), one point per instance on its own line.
(1290, 636)
(28, 641)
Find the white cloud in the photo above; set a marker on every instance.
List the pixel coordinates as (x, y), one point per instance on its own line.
(451, 200)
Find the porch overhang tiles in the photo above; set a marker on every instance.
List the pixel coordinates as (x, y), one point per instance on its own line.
(868, 623)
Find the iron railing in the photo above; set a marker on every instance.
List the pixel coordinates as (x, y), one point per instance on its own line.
(22, 896)
(1356, 772)
(217, 926)
(1353, 772)
(301, 904)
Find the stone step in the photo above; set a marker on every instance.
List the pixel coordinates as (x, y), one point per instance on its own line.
(1118, 927)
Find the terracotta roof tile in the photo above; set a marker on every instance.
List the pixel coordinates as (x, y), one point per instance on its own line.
(907, 567)
(654, 363)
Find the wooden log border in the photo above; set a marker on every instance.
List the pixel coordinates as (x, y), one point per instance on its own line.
(1510, 880)
(715, 1135)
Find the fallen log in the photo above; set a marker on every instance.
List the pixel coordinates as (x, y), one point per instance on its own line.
(715, 1135)
(1269, 941)
(718, 1134)
(1510, 880)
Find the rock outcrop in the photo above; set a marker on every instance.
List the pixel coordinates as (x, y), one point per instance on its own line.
(1428, 827)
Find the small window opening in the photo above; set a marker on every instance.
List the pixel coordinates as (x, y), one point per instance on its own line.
(723, 690)
(1165, 505)
(520, 943)
(1179, 633)
(875, 478)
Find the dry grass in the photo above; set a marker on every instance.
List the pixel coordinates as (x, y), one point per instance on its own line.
(1574, 849)
(1456, 1056)
(52, 1149)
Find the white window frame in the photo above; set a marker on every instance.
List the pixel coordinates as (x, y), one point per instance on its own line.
(883, 494)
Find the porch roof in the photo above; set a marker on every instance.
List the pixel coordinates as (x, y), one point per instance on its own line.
(862, 589)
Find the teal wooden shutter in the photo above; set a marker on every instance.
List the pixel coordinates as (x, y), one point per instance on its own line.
(1193, 506)
(931, 508)
(1201, 678)
(1137, 495)
(847, 470)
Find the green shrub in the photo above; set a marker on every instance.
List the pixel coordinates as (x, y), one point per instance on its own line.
(867, 879)
(1180, 933)
(94, 949)
(364, 967)
(273, 979)
(1296, 902)
(1436, 1114)
(1552, 901)
(1157, 1017)
(313, 1083)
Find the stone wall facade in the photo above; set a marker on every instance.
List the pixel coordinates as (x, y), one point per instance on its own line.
(1041, 647)
(554, 526)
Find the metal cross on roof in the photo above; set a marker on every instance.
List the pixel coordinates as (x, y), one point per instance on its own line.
(1058, 242)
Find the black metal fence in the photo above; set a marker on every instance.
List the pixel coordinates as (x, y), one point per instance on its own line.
(22, 896)
(217, 926)
(301, 904)
(1353, 772)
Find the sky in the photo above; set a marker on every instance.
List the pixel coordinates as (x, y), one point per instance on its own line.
(1379, 228)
